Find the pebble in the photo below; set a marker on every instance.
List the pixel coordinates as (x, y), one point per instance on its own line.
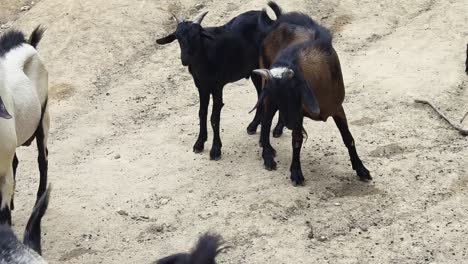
(337, 204)
(5, 26)
(117, 156)
(322, 238)
(122, 212)
(25, 8)
(164, 201)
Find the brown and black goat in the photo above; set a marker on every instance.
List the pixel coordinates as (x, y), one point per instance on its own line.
(302, 77)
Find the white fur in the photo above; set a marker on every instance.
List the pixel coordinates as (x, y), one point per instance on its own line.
(278, 73)
(24, 90)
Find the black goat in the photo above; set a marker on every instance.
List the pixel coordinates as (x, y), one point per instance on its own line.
(205, 252)
(12, 251)
(216, 56)
(303, 78)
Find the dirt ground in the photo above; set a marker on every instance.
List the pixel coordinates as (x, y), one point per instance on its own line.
(129, 189)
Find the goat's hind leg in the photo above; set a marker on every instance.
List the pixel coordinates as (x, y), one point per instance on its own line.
(43, 153)
(15, 166)
(215, 153)
(358, 166)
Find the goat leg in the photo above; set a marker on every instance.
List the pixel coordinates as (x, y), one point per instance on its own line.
(296, 172)
(215, 153)
(268, 152)
(342, 124)
(202, 115)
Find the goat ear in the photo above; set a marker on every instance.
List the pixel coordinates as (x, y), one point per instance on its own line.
(3, 111)
(310, 100)
(167, 39)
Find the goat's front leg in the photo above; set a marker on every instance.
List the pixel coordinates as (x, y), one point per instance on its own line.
(215, 153)
(278, 131)
(6, 194)
(296, 172)
(268, 152)
(202, 115)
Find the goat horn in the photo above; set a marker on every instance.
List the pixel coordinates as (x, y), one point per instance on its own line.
(200, 18)
(264, 73)
(178, 19)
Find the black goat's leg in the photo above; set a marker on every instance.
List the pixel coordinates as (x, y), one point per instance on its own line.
(202, 115)
(278, 131)
(252, 128)
(358, 166)
(15, 166)
(268, 152)
(215, 153)
(296, 172)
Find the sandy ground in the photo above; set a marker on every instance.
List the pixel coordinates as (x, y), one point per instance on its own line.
(124, 119)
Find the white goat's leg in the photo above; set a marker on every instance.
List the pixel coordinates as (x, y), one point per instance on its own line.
(7, 186)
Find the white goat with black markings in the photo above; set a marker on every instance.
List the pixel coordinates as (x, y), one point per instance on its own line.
(23, 111)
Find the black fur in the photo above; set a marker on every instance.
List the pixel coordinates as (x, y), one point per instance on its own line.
(36, 36)
(216, 56)
(32, 234)
(466, 62)
(205, 252)
(10, 40)
(11, 249)
(15, 38)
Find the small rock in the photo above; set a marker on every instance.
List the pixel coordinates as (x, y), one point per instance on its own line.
(164, 201)
(122, 212)
(5, 26)
(337, 204)
(25, 8)
(199, 6)
(322, 238)
(117, 156)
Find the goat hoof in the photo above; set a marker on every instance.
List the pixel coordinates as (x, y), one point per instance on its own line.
(364, 174)
(297, 178)
(278, 132)
(270, 165)
(252, 129)
(215, 153)
(199, 146)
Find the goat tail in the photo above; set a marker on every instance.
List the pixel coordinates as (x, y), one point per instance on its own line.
(36, 36)
(276, 8)
(208, 247)
(32, 234)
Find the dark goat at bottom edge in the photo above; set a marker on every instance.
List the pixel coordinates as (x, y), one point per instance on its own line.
(12, 251)
(205, 252)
